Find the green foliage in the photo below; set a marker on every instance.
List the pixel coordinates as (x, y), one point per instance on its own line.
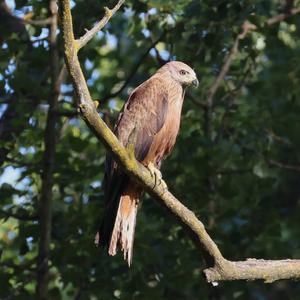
(241, 177)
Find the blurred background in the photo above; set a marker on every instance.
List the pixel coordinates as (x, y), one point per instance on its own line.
(236, 163)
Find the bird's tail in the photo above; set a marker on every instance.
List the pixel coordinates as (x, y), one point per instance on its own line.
(122, 231)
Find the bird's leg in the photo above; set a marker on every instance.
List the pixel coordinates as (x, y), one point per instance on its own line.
(157, 176)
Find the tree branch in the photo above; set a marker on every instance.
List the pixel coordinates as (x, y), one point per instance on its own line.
(251, 269)
(247, 27)
(281, 165)
(42, 23)
(228, 60)
(282, 17)
(18, 216)
(20, 105)
(90, 34)
(133, 71)
(222, 269)
(45, 203)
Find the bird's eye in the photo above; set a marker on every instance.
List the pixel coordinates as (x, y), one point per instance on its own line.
(183, 72)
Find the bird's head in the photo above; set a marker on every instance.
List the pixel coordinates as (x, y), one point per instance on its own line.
(182, 73)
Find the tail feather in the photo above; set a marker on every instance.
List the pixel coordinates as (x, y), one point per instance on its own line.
(122, 233)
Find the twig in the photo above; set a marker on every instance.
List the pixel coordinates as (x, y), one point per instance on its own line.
(222, 269)
(271, 162)
(230, 97)
(133, 71)
(233, 171)
(217, 82)
(68, 114)
(247, 27)
(21, 217)
(43, 23)
(159, 59)
(228, 60)
(282, 17)
(281, 165)
(278, 138)
(22, 163)
(90, 34)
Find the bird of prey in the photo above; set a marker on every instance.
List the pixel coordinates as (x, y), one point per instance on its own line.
(149, 121)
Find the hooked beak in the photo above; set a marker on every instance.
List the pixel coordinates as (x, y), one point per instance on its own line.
(195, 82)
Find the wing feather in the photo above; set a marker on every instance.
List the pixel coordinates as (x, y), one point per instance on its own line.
(143, 116)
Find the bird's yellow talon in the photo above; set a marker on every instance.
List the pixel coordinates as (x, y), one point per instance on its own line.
(156, 174)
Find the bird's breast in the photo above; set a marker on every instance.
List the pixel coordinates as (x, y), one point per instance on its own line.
(165, 139)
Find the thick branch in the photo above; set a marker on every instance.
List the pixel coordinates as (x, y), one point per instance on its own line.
(227, 270)
(251, 269)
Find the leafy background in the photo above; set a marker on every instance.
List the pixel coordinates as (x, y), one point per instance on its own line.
(240, 175)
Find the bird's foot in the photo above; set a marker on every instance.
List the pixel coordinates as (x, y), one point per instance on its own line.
(156, 174)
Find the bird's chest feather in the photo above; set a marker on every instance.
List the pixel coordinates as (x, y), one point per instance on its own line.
(173, 122)
(164, 141)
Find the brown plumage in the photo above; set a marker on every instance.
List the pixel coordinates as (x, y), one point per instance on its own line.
(150, 119)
